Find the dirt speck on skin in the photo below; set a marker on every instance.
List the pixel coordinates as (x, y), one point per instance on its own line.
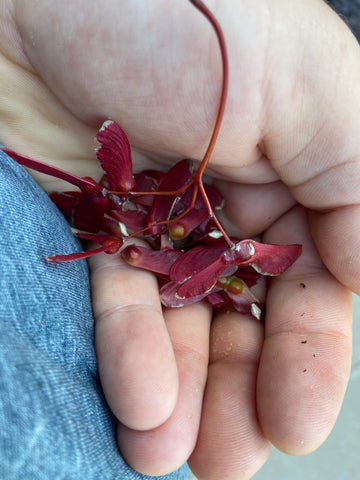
(303, 341)
(302, 285)
(223, 345)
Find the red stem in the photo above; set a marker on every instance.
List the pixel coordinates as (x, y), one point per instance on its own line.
(88, 185)
(225, 82)
(85, 184)
(70, 257)
(198, 175)
(224, 91)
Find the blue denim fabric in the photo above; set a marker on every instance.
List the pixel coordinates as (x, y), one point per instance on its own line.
(54, 422)
(349, 10)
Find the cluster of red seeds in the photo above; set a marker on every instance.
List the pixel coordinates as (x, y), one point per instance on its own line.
(190, 255)
(190, 252)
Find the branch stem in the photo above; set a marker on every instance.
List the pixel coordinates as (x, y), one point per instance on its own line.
(225, 82)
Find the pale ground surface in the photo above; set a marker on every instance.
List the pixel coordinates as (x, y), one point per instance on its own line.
(339, 457)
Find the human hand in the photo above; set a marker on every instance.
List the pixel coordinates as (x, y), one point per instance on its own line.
(287, 162)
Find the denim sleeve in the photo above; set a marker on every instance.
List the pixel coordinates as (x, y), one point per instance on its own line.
(349, 10)
(54, 421)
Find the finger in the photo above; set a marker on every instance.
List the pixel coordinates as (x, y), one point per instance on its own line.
(136, 361)
(164, 449)
(305, 363)
(337, 236)
(251, 209)
(231, 444)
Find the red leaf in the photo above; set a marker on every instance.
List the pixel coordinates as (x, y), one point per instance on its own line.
(195, 261)
(85, 212)
(132, 219)
(177, 176)
(88, 212)
(86, 184)
(197, 215)
(112, 227)
(157, 261)
(65, 202)
(248, 275)
(216, 299)
(156, 175)
(144, 184)
(240, 296)
(103, 240)
(215, 198)
(205, 280)
(71, 257)
(170, 298)
(110, 246)
(183, 227)
(271, 259)
(114, 155)
(161, 208)
(246, 304)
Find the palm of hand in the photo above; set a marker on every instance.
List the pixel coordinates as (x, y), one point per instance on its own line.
(162, 87)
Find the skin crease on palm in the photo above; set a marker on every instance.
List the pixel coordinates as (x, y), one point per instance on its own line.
(217, 389)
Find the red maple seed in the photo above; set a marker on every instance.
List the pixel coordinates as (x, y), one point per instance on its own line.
(191, 253)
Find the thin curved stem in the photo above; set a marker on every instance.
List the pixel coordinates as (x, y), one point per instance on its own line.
(225, 82)
(197, 176)
(220, 114)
